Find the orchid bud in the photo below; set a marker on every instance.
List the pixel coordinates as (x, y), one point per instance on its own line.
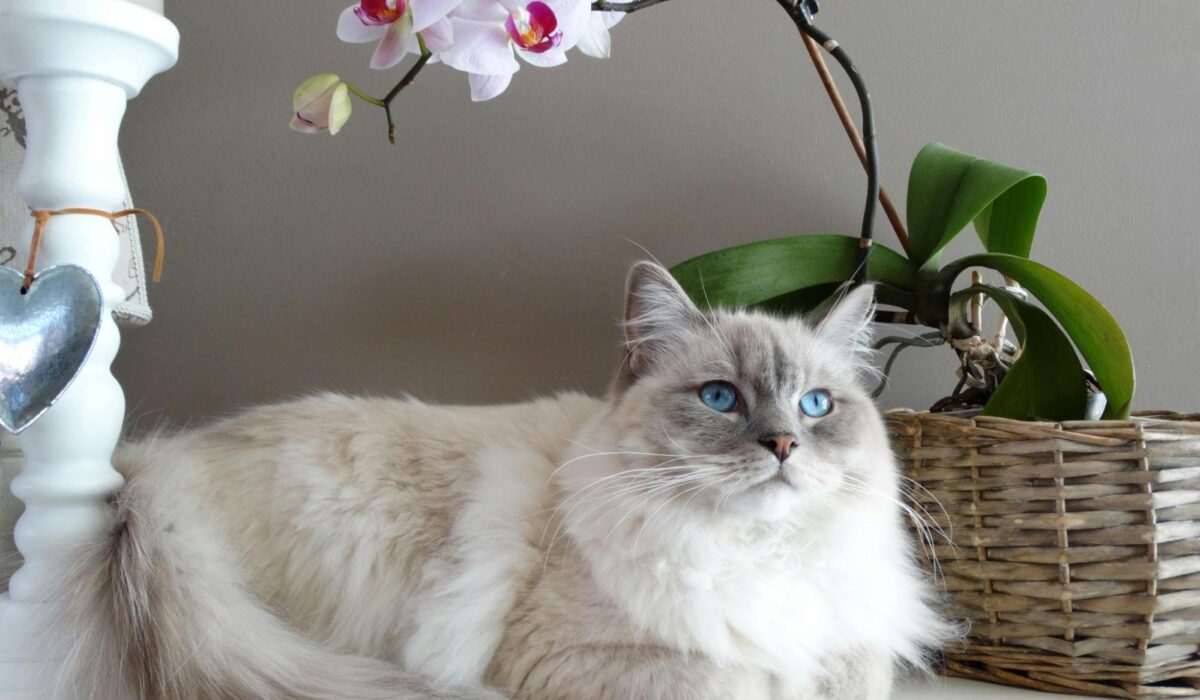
(321, 103)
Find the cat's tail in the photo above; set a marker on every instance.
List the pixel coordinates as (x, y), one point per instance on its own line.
(151, 611)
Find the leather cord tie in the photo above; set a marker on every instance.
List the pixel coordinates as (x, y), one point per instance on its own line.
(42, 216)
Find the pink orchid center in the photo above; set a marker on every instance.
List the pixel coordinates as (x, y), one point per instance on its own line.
(378, 12)
(533, 27)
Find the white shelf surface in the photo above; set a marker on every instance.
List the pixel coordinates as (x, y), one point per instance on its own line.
(958, 689)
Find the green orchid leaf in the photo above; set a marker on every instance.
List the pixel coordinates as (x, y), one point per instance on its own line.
(801, 301)
(820, 297)
(756, 273)
(1047, 381)
(1093, 330)
(948, 189)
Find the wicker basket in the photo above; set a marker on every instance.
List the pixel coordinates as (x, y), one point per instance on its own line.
(1076, 548)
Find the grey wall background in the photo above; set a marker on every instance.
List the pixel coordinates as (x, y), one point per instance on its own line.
(482, 259)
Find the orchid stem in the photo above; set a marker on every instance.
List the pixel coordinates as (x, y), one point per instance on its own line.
(839, 106)
(386, 100)
(364, 96)
(630, 6)
(404, 82)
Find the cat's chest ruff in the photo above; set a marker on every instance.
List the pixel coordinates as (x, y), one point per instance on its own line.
(762, 601)
(765, 603)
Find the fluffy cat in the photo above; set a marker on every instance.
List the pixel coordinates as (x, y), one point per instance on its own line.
(724, 525)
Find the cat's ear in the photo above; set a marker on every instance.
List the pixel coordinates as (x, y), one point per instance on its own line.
(657, 312)
(848, 323)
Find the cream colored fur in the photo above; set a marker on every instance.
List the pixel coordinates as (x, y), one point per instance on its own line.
(567, 548)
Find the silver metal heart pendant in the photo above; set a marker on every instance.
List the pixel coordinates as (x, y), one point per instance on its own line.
(45, 337)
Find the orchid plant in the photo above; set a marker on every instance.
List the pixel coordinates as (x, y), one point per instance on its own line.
(1040, 376)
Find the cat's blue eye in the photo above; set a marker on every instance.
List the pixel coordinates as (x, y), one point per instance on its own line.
(816, 403)
(719, 396)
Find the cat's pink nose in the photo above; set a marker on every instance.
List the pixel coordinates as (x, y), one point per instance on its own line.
(781, 445)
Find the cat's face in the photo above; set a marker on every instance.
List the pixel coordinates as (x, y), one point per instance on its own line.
(746, 412)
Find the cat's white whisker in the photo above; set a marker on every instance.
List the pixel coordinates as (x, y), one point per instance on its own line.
(615, 453)
(923, 522)
(648, 494)
(635, 504)
(644, 478)
(650, 518)
(637, 490)
(662, 424)
(696, 490)
(599, 485)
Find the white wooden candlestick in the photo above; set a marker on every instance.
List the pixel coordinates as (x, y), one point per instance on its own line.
(74, 64)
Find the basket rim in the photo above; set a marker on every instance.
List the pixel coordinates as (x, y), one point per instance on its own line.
(1147, 417)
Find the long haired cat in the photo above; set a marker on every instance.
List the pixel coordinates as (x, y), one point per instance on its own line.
(724, 525)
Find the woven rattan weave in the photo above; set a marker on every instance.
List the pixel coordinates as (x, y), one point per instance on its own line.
(1075, 550)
